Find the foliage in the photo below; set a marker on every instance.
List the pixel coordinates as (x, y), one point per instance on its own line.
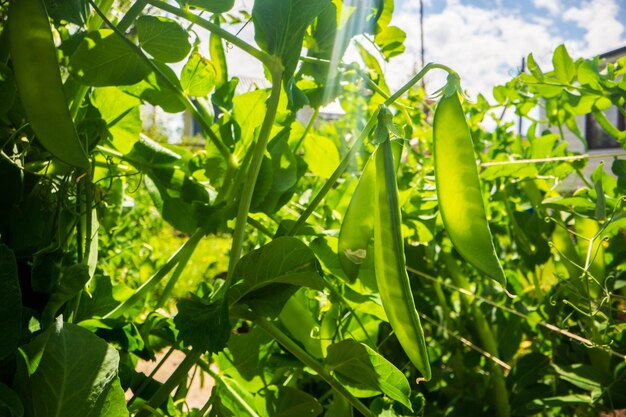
(329, 268)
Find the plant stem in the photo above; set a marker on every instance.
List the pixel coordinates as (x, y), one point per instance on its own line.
(309, 361)
(182, 264)
(184, 252)
(266, 59)
(179, 375)
(133, 12)
(252, 174)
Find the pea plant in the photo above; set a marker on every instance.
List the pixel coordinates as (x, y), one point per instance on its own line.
(401, 260)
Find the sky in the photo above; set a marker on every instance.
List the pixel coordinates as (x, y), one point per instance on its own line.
(485, 40)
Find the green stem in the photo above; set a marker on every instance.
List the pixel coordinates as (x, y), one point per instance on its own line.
(266, 59)
(177, 377)
(608, 127)
(133, 12)
(146, 381)
(309, 361)
(184, 252)
(252, 174)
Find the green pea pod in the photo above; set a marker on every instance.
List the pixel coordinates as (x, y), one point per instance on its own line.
(358, 223)
(390, 263)
(458, 189)
(39, 83)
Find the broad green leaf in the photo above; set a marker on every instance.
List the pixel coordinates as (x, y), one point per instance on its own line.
(203, 323)
(73, 11)
(213, 6)
(564, 67)
(198, 76)
(71, 373)
(121, 113)
(120, 333)
(248, 359)
(583, 376)
(163, 38)
(10, 303)
(280, 26)
(10, 404)
(365, 373)
(103, 59)
(321, 155)
(282, 401)
(72, 281)
(588, 74)
(231, 399)
(284, 164)
(285, 260)
(391, 41)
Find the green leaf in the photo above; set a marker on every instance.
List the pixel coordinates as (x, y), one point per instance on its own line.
(285, 260)
(282, 401)
(198, 76)
(321, 155)
(533, 67)
(203, 323)
(157, 92)
(564, 67)
(280, 26)
(365, 373)
(103, 59)
(10, 303)
(72, 282)
(284, 164)
(121, 113)
(10, 404)
(72, 373)
(583, 376)
(163, 38)
(391, 41)
(73, 11)
(249, 111)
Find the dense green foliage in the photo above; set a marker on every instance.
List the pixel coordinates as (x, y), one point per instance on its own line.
(401, 260)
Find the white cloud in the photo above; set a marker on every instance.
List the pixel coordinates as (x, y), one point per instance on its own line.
(485, 46)
(599, 19)
(552, 6)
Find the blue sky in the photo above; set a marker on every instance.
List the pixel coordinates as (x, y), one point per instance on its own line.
(485, 40)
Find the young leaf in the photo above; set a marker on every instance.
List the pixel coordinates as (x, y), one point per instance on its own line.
(203, 324)
(564, 67)
(198, 76)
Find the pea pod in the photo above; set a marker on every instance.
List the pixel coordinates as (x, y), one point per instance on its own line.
(357, 226)
(390, 263)
(458, 188)
(39, 83)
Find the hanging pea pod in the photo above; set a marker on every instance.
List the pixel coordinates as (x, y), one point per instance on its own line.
(390, 263)
(39, 83)
(458, 187)
(358, 223)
